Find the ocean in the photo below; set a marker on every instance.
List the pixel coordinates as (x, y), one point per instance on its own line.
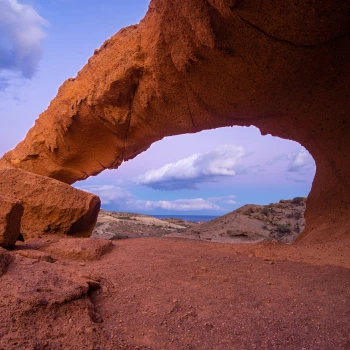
(192, 218)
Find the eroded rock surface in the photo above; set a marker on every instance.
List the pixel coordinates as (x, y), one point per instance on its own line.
(50, 206)
(281, 66)
(11, 211)
(79, 248)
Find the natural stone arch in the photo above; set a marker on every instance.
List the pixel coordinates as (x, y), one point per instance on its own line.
(202, 64)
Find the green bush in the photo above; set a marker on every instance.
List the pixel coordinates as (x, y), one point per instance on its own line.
(283, 228)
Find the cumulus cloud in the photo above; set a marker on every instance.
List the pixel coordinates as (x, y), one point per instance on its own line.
(187, 173)
(299, 165)
(180, 205)
(297, 162)
(300, 162)
(21, 35)
(110, 193)
(122, 200)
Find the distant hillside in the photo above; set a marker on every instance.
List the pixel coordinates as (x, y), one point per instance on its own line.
(282, 221)
(118, 225)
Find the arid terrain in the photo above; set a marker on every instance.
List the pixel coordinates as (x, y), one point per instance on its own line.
(113, 225)
(276, 222)
(154, 291)
(281, 66)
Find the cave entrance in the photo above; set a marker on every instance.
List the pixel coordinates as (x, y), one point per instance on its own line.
(198, 177)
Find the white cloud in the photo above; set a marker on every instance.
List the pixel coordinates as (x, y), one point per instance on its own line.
(122, 200)
(188, 172)
(109, 193)
(300, 162)
(21, 35)
(180, 205)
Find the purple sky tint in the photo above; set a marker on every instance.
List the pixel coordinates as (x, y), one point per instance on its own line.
(44, 42)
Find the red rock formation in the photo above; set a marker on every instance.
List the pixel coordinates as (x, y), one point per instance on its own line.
(50, 206)
(11, 211)
(201, 64)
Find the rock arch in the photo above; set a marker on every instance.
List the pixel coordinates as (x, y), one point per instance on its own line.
(201, 64)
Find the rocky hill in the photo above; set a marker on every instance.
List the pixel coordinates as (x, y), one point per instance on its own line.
(282, 222)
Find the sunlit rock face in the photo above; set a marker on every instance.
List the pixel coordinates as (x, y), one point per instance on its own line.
(48, 207)
(201, 64)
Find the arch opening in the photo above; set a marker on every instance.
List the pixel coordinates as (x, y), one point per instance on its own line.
(232, 66)
(209, 174)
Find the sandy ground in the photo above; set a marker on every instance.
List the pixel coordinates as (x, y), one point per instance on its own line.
(166, 293)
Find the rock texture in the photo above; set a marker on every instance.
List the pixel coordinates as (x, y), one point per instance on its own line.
(281, 66)
(276, 222)
(11, 211)
(50, 206)
(5, 260)
(155, 293)
(80, 248)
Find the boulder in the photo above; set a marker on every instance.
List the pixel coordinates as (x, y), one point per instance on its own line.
(11, 211)
(50, 206)
(79, 249)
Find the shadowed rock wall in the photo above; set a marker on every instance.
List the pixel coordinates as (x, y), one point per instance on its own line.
(201, 64)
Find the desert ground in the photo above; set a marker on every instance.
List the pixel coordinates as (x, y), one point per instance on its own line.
(163, 292)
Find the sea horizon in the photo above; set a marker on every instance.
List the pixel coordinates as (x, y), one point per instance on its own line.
(192, 218)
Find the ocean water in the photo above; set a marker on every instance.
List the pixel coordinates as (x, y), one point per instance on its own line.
(192, 218)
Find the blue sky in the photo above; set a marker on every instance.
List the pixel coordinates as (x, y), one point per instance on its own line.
(44, 42)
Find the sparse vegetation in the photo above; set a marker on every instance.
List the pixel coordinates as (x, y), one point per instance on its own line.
(297, 215)
(265, 211)
(283, 228)
(265, 227)
(125, 218)
(298, 200)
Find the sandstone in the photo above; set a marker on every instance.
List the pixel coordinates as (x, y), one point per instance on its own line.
(11, 211)
(50, 206)
(79, 249)
(204, 64)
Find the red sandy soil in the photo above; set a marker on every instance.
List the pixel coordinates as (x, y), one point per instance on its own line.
(165, 293)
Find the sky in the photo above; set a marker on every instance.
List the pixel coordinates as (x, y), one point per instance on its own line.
(44, 42)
